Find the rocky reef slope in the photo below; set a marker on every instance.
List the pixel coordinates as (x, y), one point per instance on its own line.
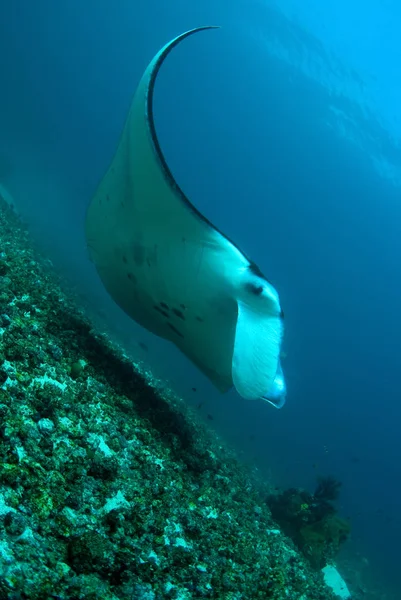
(109, 486)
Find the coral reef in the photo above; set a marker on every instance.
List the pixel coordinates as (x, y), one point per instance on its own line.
(327, 489)
(311, 520)
(109, 486)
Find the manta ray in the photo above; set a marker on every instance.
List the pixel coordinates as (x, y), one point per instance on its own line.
(172, 271)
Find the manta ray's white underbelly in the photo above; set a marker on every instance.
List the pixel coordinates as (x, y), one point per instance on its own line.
(176, 288)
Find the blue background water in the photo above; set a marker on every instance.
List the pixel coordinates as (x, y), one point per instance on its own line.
(283, 128)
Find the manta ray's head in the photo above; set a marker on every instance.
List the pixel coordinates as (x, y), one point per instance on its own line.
(257, 371)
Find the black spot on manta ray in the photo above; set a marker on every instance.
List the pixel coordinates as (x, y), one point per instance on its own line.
(254, 289)
(164, 305)
(258, 289)
(179, 313)
(254, 269)
(175, 330)
(161, 311)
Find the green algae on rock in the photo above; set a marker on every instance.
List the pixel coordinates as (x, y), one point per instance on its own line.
(109, 486)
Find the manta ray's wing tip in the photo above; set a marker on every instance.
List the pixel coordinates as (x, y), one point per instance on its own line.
(203, 27)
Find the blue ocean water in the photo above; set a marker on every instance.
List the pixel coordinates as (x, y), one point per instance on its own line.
(284, 129)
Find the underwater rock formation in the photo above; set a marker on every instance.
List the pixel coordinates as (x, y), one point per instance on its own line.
(311, 520)
(109, 486)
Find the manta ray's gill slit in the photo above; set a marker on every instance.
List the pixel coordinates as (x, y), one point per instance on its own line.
(175, 329)
(178, 313)
(161, 311)
(131, 277)
(199, 319)
(125, 259)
